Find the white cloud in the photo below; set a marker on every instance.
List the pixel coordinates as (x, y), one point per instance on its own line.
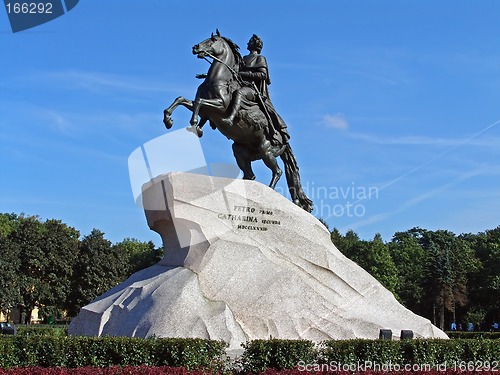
(336, 121)
(473, 140)
(92, 81)
(410, 202)
(427, 141)
(58, 121)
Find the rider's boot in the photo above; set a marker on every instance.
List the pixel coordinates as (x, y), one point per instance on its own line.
(235, 106)
(228, 120)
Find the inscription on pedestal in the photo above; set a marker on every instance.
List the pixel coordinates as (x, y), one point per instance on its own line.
(250, 218)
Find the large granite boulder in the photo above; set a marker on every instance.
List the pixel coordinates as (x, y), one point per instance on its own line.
(242, 262)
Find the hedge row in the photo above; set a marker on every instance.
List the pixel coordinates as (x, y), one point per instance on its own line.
(353, 355)
(259, 355)
(62, 330)
(143, 370)
(42, 330)
(113, 370)
(473, 335)
(72, 352)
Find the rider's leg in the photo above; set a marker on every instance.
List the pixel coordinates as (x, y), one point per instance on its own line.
(238, 96)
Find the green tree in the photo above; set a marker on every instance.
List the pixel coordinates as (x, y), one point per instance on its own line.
(8, 222)
(485, 282)
(475, 315)
(27, 241)
(381, 265)
(9, 265)
(347, 244)
(373, 256)
(449, 262)
(139, 255)
(99, 267)
(324, 222)
(60, 245)
(410, 260)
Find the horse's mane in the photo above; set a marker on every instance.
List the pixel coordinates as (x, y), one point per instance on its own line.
(236, 51)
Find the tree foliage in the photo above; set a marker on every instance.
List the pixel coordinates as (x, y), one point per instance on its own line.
(27, 240)
(46, 264)
(9, 264)
(436, 274)
(60, 247)
(449, 261)
(140, 254)
(439, 275)
(373, 256)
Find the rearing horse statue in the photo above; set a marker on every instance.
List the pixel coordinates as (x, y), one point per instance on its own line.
(251, 130)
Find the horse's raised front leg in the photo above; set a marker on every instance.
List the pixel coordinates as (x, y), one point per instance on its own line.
(167, 113)
(216, 105)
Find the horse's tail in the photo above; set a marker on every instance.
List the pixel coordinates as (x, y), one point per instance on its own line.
(293, 180)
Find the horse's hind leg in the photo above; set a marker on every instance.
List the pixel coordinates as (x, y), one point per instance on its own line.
(270, 161)
(243, 159)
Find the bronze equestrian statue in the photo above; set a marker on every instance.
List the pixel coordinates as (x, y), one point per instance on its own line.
(234, 98)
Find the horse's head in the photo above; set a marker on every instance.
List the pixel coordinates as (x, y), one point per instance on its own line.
(217, 46)
(214, 46)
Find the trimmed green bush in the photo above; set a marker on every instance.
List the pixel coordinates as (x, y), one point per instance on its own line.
(8, 356)
(431, 352)
(42, 330)
(473, 335)
(354, 351)
(259, 355)
(54, 351)
(276, 354)
(113, 370)
(353, 354)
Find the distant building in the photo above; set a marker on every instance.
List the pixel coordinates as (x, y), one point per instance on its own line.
(15, 316)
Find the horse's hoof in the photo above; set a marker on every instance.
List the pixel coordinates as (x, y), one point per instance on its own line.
(196, 130)
(168, 122)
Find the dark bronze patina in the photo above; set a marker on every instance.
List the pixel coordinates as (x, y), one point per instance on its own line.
(234, 98)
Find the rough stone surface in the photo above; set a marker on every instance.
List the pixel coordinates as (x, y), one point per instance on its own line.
(242, 262)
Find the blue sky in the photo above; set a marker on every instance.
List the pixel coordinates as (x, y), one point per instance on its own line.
(397, 98)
